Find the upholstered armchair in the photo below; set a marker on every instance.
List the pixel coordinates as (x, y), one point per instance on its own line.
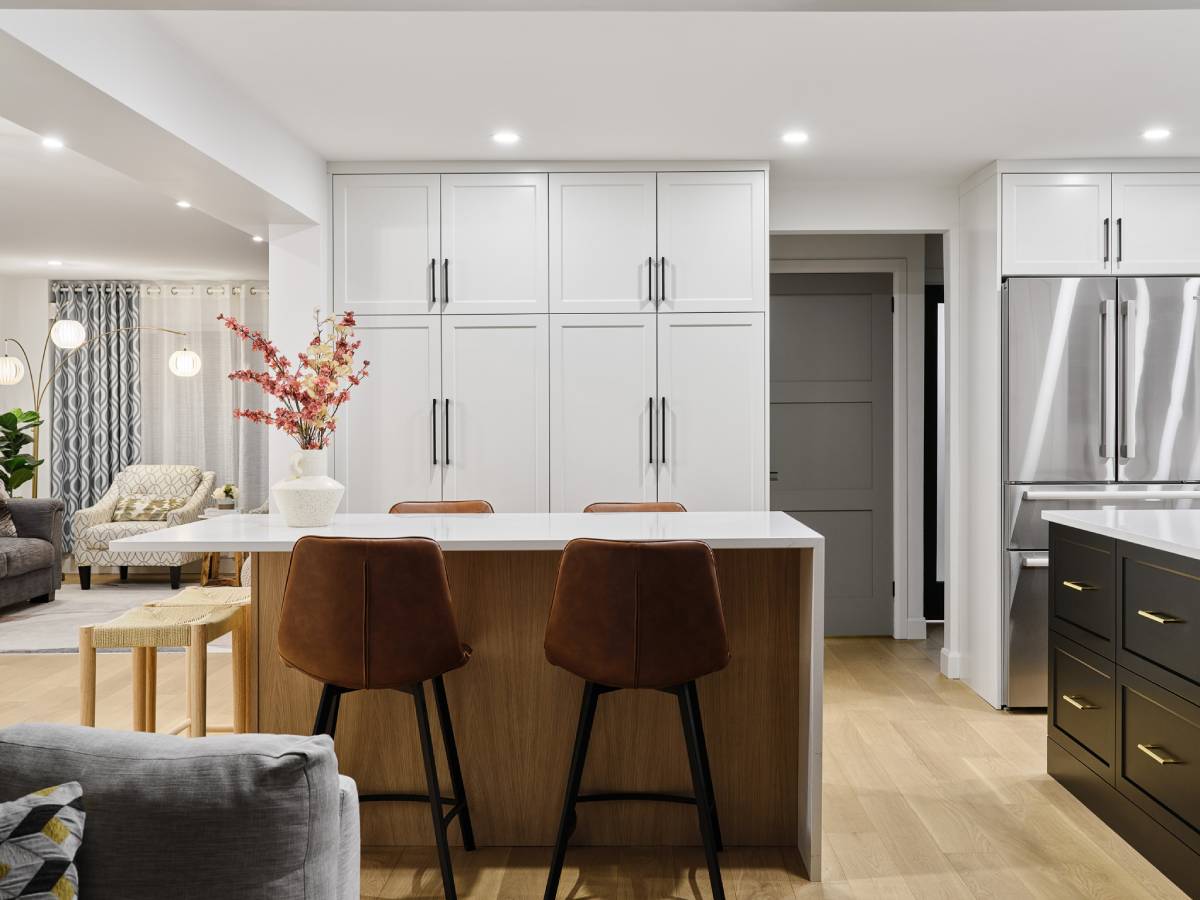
(92, 528)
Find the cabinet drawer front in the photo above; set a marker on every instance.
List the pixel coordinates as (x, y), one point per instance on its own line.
(1160, 612)
(1082, 585)
(1082, 703)
(1160, 755)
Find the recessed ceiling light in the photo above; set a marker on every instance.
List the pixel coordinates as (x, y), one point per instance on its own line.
(54, 262)
(1156, 134)
(795, 137)
(506, 137)
(183, 204)
(52, 143)
(257, 238)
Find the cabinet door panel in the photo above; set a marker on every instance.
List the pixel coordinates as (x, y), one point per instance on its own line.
(602, 384)
(494, 241)
(495, 372)
(384, 447)
(386, 235)
(1054, 224)
(602, 241)
(712, 233)
(1157, 218)
(710, 373)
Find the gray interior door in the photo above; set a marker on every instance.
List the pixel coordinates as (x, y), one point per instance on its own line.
(831, 434)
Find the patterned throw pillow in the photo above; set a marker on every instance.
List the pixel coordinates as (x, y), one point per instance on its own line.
(7, 526)
(39, 837)
(144, 508)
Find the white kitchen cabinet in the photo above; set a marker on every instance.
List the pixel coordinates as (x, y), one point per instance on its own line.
(386, 447)
(494, 239)
(496, 410)
(603, 399)
(711, 383)
(712, 233)
(602, 242)
(1056, 224)
(1156, 222)
(386, 241)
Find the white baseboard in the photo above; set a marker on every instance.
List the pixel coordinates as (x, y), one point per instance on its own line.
(951, 664)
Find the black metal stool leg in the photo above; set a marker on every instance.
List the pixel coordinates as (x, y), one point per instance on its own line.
(451, 747)
(435, 793)
(327, 710)
(583, 735)
(694, 699)
(704, 807)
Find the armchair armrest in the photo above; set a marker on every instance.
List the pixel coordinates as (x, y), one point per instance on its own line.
(98, 513)
(38, 518)
(191, 510)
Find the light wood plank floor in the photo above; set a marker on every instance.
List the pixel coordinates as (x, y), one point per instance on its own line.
(929, 793)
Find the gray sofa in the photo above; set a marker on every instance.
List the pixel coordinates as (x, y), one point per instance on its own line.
(236, 816)
(31, 563)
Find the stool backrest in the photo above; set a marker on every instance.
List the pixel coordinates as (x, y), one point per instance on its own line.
(368, 612)
(640, 506)
(633, 614)
(434, 507)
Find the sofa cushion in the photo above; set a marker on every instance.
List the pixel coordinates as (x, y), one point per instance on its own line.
(98, 536)
(7, 527)
(40, 834)
(21, 555)
(145, 508)
(246, 816)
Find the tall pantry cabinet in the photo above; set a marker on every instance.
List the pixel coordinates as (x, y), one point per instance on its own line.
(543, 341)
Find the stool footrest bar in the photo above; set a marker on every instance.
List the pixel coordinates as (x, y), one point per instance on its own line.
(636, 795)
(407, 798)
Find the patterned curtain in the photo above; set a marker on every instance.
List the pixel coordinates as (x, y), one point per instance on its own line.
(97, 408)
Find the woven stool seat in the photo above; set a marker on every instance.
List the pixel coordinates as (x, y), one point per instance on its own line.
(164, 626)
(206, 596)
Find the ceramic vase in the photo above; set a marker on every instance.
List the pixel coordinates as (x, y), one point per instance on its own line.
(310, 497)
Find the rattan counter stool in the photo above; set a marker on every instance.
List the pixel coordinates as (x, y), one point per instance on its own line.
(146, 629)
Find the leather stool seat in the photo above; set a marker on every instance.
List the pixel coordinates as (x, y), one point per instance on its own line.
(638, 506)
(441, 507)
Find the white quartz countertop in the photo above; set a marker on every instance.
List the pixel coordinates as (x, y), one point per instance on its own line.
(1172, 530)
(496, 531)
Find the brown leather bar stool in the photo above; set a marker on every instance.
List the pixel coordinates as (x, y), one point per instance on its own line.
(640, 506)
(435, 507)
(375, 614)
(639, 614)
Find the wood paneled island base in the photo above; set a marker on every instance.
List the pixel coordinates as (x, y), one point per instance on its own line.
(515, 714)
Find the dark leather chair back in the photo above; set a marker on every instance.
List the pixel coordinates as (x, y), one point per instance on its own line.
(637, 614)
(641, 506)
(433, 507)
(369, 613)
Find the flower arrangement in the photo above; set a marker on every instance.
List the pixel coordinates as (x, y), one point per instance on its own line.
(311, 392)
(226, 495)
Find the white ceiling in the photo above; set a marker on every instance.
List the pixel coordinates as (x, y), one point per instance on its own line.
(101, 224)
(925, 95)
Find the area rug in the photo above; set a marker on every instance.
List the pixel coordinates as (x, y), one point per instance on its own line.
(54, 627)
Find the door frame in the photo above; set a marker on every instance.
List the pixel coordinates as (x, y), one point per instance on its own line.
(906, 531)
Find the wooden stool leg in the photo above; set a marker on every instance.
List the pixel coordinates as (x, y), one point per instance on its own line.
(87, 677)
(198, 681)
(151, 665)
(241, 673)
(139, 688)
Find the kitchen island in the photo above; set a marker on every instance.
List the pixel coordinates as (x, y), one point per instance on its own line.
(514, 714)
(1123, 732)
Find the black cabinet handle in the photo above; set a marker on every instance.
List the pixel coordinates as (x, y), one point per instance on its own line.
(445, 281)
(662, 279)
(662, 445)
(1106, 224)
(433, 281)
(433, 430)
(446, 432)
(650, 430)
(1120, 238)
(650, 278)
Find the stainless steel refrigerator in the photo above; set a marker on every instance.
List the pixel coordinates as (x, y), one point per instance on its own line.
(1101, 409)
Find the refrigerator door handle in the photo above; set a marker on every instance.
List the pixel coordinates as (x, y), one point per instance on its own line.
(1104, 454)
(1125, 442)
(1040, 561)
(1112, 496)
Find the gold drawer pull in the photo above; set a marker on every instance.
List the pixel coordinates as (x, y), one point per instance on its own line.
(1079, 586)
(1160, 618)
(1078, 702)
(1157, 754)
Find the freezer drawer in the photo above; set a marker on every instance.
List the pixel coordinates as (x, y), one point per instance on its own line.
(1158, 420)
(1025, 503)
(1026, 630)
(1059, 381)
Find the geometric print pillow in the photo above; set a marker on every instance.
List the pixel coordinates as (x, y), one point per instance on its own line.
(39, 837)
(144, 508)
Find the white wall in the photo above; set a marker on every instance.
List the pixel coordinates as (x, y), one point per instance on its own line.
(863, 206)
(24, 315)
(909, 388)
